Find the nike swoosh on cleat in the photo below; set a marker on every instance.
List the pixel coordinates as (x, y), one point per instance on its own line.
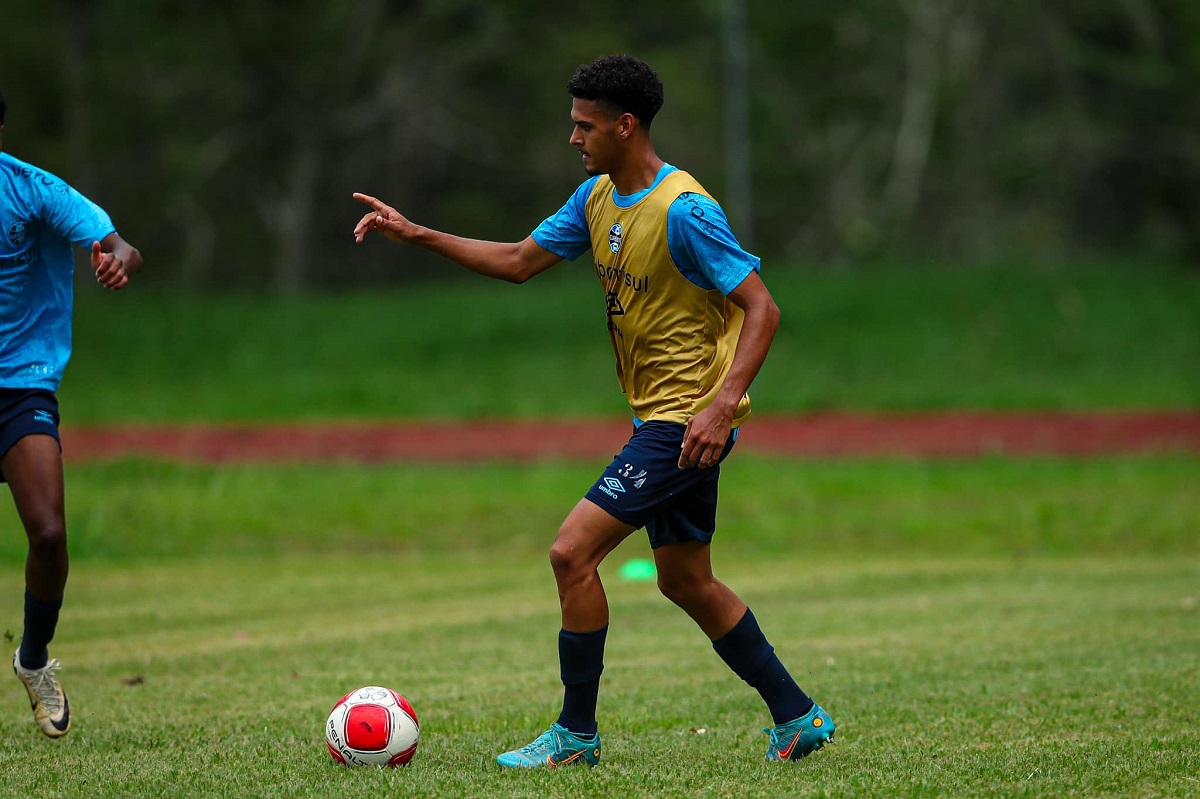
(786, 754)
(551, 762)
(65, 722)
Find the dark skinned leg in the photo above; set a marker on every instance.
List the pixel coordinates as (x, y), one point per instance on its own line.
(33, 469)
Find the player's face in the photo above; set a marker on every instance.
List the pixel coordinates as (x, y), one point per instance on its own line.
(596, 136)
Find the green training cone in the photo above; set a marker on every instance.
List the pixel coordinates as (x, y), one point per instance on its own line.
(637, 569)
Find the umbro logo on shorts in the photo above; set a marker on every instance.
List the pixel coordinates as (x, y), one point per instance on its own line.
(43, 416)
(611, 486)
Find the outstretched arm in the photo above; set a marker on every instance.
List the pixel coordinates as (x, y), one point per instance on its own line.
(708, 430)
(515, 262)
(114, 261)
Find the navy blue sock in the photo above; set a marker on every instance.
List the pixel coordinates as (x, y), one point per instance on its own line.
(581, 660)
(40, 620)
(745, 650)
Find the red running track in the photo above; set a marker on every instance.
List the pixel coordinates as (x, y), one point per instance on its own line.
(821, 435)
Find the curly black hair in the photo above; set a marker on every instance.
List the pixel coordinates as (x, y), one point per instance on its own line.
(624, 82)
(3, 107)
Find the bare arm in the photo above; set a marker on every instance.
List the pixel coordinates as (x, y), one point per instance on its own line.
(708, 430)
(515, 262)
(114, 261)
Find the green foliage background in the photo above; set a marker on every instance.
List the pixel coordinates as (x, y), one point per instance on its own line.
(960, 203)
(226, 143)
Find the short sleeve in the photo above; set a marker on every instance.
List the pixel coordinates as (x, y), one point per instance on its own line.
(68, 213)
(703, 247)
(566, 233)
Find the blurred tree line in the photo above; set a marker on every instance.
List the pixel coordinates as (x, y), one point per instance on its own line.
(226, 139)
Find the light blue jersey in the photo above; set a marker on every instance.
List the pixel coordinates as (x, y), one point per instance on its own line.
(40, 218)
(701, 244)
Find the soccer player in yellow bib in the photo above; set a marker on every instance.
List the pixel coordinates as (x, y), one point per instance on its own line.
(691, 323)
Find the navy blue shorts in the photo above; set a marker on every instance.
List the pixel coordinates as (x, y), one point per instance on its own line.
(23, 412)
(645, 487)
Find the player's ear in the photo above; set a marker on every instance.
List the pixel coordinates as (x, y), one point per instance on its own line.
(625, 125)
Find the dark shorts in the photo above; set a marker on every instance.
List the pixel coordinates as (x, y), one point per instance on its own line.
(23, 412)
(645, 487)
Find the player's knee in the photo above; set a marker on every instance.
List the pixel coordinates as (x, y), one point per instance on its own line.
(680, 589)
(561, 559)
(566, 562)
(47, 540)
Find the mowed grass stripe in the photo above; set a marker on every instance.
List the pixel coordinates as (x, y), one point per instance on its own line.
(959, 677)
(141, 510)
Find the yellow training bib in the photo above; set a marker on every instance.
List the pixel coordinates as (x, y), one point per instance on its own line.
(674, 341)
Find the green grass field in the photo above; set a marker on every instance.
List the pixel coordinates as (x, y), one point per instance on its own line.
(996, 627)
(977, 628)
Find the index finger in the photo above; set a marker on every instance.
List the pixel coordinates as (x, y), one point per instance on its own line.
(374, 202)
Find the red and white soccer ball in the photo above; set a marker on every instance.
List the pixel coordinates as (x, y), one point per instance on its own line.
(372, 726)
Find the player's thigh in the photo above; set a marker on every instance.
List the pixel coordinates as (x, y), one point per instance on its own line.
(33, 469)
(589, 533)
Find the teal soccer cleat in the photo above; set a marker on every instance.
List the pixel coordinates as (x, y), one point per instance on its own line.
(800, 737)
(556, 747)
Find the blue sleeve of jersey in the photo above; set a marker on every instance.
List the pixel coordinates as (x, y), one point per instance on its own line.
(71, 215)
(566, 233)
(703, 247)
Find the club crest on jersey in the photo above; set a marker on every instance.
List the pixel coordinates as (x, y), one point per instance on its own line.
(16, 234)
(614, 238)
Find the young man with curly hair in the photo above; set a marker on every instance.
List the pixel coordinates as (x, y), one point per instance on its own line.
(690, 323)
(40, 218)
